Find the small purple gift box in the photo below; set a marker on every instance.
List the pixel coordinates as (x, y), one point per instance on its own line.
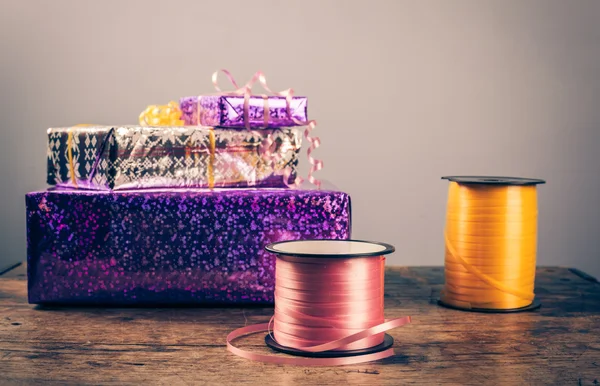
(166, 247)
(228, 111)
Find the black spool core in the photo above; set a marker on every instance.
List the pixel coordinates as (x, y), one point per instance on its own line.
(533, 306)
(388, 342)
(491, 180)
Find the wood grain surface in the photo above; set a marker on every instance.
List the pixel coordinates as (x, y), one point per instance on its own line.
(558, 344)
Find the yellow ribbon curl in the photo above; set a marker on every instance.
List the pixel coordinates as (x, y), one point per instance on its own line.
(161, 115)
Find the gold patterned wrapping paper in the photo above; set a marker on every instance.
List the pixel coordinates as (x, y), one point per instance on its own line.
(134, 157)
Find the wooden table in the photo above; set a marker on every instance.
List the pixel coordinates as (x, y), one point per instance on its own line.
(558, 344)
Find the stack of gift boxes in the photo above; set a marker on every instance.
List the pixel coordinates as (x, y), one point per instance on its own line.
(179, 213)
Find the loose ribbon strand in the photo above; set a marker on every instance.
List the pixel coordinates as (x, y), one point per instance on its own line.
(302, 361)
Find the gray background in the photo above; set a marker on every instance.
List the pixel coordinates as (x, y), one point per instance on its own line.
(404, 92)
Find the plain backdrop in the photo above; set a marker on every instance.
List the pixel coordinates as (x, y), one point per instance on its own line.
(404, 92)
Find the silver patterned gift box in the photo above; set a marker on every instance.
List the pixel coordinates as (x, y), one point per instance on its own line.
(133, 157)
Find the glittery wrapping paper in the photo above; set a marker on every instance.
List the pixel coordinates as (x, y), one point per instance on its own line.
(165, 247)
(228, 111)
(133, 157)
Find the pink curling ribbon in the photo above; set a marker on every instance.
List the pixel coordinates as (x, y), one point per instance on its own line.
(246, 92)
(322, 305)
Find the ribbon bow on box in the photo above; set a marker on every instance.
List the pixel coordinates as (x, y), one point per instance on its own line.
(170, 115)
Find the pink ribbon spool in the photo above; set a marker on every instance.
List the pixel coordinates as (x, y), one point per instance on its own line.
(328, 305)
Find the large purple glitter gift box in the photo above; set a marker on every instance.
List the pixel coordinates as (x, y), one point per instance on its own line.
(228, 111)
(161, 247)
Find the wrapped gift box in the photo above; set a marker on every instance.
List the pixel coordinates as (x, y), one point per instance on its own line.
(133, 157)
(165, 247)
(228, 111)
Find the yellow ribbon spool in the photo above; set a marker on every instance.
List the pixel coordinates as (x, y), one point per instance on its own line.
(491, 243)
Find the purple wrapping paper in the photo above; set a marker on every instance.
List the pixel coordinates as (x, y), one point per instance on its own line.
(165, 247)
(228, 111)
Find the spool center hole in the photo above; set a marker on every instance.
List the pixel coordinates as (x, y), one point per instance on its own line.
(328, 247)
